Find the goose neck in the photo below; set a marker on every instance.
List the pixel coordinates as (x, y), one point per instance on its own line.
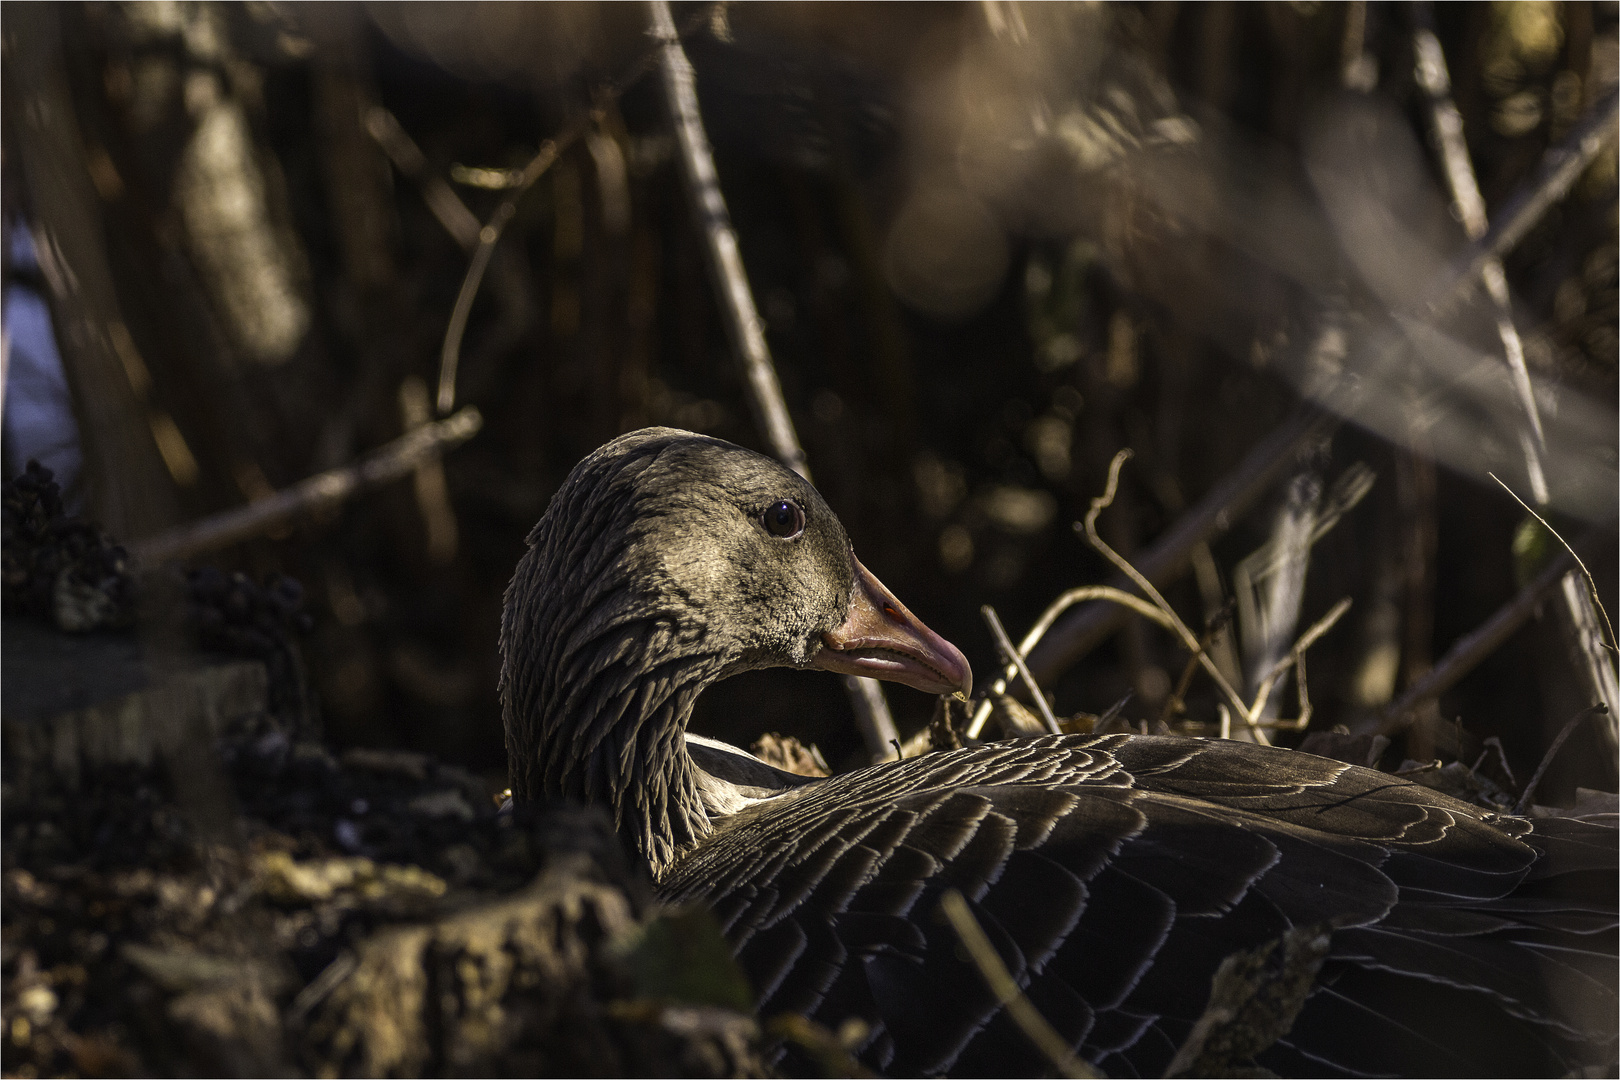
(611, 732)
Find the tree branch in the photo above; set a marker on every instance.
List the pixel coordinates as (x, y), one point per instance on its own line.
(388, 462)
(743, 324)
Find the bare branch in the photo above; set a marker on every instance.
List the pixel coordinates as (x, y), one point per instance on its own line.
(743, 324)
(445, 205)
(746, 328)
(1560, 167)
(1475, 646)
(490, 234)
(1445, 122)
(388, 462)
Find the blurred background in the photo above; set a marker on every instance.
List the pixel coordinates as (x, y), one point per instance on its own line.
(993, 244)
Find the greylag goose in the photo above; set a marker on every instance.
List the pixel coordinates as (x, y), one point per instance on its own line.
(1112, 874)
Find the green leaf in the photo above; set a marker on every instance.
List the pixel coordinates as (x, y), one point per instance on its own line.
(680, 955)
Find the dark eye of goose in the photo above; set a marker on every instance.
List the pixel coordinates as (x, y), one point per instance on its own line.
(783, 519)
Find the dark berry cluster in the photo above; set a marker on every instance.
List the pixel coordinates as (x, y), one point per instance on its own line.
(235, 614)
(56, 566)
(232, 613)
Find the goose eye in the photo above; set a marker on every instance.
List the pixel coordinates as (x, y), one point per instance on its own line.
(784, 520)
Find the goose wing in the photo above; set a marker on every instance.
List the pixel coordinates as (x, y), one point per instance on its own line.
(1113, 875)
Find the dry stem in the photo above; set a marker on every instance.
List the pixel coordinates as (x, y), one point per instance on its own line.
(1176, 702)
(1012, 657)
(1296, 657)
(1188, 639)
(1552, 751)
(1213, 514)
(1000, 980)
(1159, 610)
(1044, 623)
(1590, 584)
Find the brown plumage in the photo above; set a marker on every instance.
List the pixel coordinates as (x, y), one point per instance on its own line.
(1113, 874)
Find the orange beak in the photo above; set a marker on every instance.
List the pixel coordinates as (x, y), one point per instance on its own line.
(882, 640)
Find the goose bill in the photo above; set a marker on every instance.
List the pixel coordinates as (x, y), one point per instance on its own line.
(881, 639)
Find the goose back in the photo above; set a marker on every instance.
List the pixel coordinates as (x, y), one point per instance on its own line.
(1114, 874)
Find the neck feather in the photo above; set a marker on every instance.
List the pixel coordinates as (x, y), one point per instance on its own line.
(597, 687)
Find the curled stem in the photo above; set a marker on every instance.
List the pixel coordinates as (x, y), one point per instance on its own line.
(1172, 621)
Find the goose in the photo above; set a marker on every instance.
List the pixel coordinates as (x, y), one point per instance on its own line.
(1111, 874)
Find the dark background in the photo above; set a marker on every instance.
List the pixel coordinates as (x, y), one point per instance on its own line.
(993, 244)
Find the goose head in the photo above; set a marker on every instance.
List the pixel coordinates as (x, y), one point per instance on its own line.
(665, 562)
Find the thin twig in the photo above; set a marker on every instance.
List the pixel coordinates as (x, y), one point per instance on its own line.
(1114, 710)
(1475, 646)
(1303, 693)
(1176, 702)
(490, 234)
(1296, 655)
(388, 462)
(1557, 172)
(1057, 607)
(1583, 609)
(1188, 639)
(1552, 751)
(743, 324)
(1494, 742)
(442, 201)
(1000, 980)
(1010, 654)
(1590, 584)
(1157, 610)
(1212, 515)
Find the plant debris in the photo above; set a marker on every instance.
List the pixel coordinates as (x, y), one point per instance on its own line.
(132, 945)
